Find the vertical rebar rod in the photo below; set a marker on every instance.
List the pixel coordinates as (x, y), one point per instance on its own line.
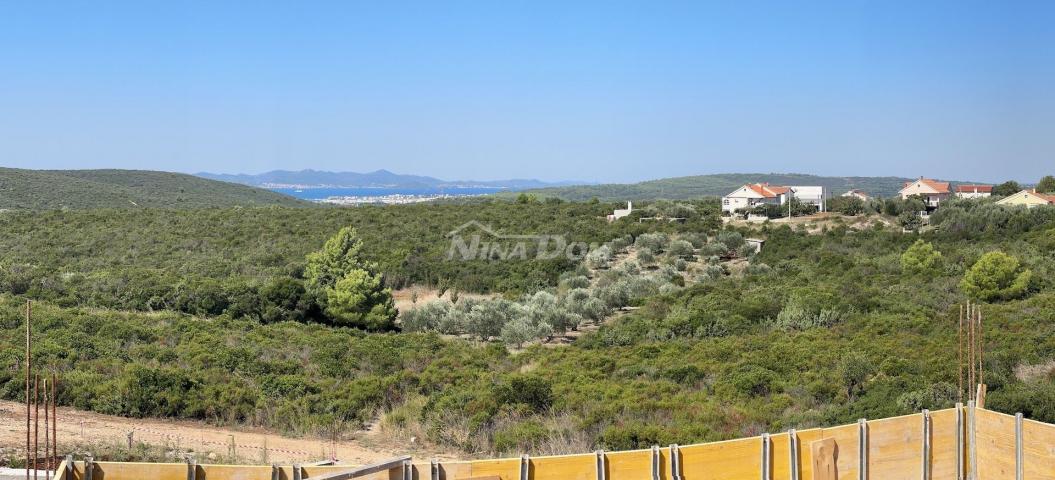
(970, 349)
(959, 362)
(981, 349)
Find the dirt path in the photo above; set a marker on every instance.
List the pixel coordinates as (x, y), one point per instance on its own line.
(88, 427)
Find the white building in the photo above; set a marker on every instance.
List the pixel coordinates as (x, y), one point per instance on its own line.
(974, 191)
(858, 194)
(809, 194)
(933, 191)
(755, 194)
(620, 213)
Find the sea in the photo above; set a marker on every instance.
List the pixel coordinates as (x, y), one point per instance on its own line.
(323, 193)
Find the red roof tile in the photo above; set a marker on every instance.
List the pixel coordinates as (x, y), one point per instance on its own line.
(974, 188)
(767, 190)
(940, 187)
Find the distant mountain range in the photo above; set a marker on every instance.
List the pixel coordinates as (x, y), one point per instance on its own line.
(80, 189)
(380, 178)
(697, 186)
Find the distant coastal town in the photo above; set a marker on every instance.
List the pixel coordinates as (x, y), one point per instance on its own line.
(395, 199)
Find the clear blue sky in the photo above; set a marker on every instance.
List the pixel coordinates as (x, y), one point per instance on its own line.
(605, 91)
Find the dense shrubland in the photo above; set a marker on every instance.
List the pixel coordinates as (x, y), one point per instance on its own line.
(817, 329)
(617, 274)
(251, 262)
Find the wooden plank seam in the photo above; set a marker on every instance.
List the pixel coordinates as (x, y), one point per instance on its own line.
(525, 467)
(959, 441)
(793, 449)
(972, 446)
(655, 462)
(600, 464)
(925, 466)
(1019, 450)
(862, 449)
(675, 462)
(765, 457)
(192, 467)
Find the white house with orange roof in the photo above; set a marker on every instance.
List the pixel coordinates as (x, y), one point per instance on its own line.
(755, 194)
(974, 191)
(932, 191)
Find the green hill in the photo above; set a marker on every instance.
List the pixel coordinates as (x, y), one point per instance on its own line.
(717, 185)
(80, 189)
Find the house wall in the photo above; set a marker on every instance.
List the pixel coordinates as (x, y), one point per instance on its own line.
(810, 194)
(1025, 199)
(745, 197)
(972, 194)
(915, 188)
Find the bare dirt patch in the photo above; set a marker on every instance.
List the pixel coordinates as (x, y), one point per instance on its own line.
(407, 298)
(78, 426)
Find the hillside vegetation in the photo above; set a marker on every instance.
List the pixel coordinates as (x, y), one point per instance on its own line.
(680, 188)
(818, 329)
(84, 189)
(208, 261)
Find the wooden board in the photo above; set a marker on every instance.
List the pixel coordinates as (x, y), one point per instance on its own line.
(846, 443)
(895, 448)
(824, 460)
(1038, 450)
(571, 467)
(995, 434)
(943, 443)
(632, 464)
(895, 453)
(729, 460)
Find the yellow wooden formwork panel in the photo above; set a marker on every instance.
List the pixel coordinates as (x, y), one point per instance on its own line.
(729, 460)
(895, 448)
(846, 444)
(779, 456)
(448, 470)
(1038, 452)
(234, 472)
(506, 468)
(130, 470)
(943, 446)
(634, 464)
(805, 455)
(995, 436)
(571, 467)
